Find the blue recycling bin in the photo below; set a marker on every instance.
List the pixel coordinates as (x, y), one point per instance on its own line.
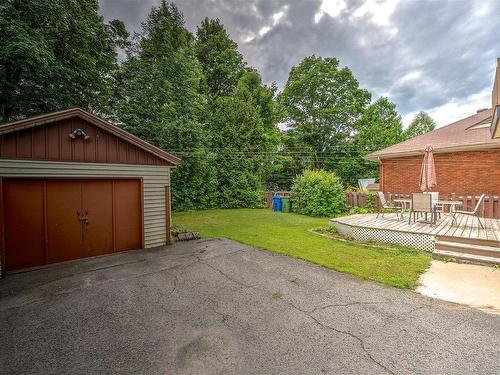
(277, 203)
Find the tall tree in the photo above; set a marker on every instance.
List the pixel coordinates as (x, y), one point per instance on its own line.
(322, 103)
(380, 126)
(421, 123)
(218, 54)
(235, 129)
(244, 136)
(242, 118)
(293, 157)
(159, 99)
(251, 89)
(55, 54)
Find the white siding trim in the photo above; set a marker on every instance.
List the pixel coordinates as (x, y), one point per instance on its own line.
(155, 178)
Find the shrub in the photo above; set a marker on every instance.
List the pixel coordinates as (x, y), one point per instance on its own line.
(371, 202)
(240, 198)
(359, 210)
(318, 193)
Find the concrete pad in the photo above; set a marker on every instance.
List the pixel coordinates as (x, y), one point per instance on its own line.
(467, 284)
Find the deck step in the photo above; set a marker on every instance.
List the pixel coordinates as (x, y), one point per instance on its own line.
(472, 241)
(472, 258)
(468, 248)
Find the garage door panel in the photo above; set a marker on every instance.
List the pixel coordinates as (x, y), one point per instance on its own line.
(24, 223)
(45, 219)
(97, 203)
(128, 218)
(64, 229)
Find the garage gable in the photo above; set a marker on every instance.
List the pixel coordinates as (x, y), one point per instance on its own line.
(75, 135)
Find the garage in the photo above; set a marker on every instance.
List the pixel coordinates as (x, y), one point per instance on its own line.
(73, 186)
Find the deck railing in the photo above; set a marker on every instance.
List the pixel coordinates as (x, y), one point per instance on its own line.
(489, 209)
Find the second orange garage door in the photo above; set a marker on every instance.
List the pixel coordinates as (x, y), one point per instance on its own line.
(53, 220)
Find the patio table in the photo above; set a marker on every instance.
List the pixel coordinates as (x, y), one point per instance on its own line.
(452, 207)
(405, 203)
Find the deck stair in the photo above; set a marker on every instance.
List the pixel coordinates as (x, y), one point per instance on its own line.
(468, 249)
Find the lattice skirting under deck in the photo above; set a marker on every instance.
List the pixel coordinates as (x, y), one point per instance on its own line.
(416, 240)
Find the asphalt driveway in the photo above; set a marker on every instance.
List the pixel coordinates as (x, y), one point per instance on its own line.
(220, 307)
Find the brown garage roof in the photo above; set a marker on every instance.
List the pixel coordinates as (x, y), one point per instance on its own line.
(470, 133)
(93, 119)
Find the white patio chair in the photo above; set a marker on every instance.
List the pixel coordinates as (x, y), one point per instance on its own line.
(475, 211)
(384, 205)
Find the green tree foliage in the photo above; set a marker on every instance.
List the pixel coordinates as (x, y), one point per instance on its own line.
(262, 97)
(318, 193)
(218, 55)
(322, 103)
(158, 99)
(379, 127)
(235, 127)
(422, 123)
(292, 158)
(243, 136)
(250, 88)
(55, 54)
(241, 118)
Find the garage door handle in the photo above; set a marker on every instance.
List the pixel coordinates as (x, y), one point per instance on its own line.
(83, 219)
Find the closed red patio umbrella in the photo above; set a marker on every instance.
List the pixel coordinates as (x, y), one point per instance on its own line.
(428, 171)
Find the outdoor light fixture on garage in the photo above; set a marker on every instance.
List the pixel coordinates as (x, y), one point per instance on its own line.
(97, 191)
(79, 133)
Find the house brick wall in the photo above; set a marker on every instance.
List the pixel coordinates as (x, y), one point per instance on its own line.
(460, 173)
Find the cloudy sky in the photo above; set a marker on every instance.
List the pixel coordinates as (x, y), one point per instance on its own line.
(432, 55)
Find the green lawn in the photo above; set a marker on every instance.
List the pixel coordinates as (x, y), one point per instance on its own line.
(289, 234)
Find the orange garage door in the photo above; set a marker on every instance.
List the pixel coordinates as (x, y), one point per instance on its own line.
(53, 220)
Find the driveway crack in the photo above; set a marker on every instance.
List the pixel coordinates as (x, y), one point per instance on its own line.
(224, 317)
(350, 334)
(174, 286)
(346, 304)
(225, 275)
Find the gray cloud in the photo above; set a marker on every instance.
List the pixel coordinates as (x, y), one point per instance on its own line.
(426, 54)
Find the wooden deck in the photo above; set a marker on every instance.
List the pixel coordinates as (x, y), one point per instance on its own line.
(467, 226)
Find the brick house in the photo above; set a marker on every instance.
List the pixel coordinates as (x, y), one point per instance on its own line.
(466, 157)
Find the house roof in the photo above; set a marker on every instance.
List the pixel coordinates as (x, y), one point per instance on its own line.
(93, 119)
(470, 133)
